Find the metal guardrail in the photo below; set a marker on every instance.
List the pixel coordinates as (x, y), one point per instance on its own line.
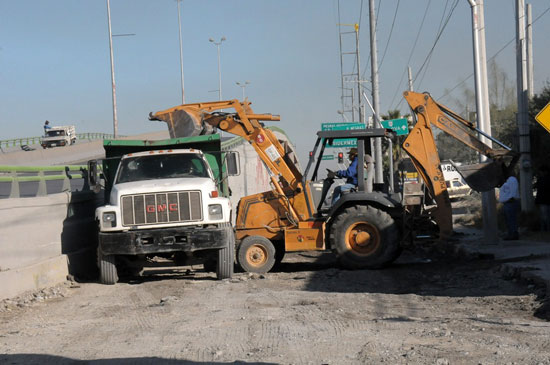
(13, 175)
(37, 140)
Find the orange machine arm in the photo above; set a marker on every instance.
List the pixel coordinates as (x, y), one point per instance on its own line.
(420, 145)
(245, 123)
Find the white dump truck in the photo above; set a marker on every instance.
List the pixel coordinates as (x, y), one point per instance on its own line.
(167, 200)
(59, 136)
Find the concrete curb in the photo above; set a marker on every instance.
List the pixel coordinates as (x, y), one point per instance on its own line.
(38, 276)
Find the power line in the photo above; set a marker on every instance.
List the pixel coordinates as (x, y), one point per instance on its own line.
(412, 51)
(447, 93)
(389, 37)
(443, 26)
(440, 33)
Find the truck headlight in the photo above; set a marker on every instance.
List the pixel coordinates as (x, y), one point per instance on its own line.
(215, 211)
(109, 217)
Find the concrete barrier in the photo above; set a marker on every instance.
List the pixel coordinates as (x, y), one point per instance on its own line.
(43, 239)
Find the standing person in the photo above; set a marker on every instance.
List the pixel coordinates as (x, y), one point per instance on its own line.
(350, 174)
(543, 197)
(509, 197)
(47, 126)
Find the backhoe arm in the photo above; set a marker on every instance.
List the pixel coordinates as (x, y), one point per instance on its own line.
(246, 124)
(421, 146)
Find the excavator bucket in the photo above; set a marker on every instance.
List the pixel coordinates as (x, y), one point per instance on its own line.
(482, 176)
(184, 123)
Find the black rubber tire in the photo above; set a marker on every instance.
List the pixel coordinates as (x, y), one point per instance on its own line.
(226, 256)
(364, 237)
(256, 254)
(108, 273)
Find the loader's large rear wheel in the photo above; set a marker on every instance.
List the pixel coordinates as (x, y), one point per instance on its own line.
(226, 256)
(364, 237)
(256, 254)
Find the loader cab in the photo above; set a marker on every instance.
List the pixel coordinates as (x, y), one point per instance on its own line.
(376, 194)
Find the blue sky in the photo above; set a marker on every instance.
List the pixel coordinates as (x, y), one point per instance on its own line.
(54, 57)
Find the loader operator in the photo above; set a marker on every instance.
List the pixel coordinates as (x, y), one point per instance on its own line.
(350, 174)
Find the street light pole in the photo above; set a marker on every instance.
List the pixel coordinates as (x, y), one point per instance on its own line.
(243, 86)
(219, 67)
(181, 54)
(113, 87)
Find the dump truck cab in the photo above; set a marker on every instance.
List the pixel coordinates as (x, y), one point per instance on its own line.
(165, 200)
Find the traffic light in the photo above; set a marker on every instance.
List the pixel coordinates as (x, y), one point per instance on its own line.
(340, 157)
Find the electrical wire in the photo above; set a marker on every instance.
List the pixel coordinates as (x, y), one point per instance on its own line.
(448, 92)
(412, 51)
(438, 37)
(443, 26)
(389, 37)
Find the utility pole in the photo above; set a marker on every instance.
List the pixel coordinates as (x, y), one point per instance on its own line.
(488, 199)
(525, 172)
(361, 116)
(181, 54)
(113, 87)
(378, 173)
(217, 44)
(530, 69)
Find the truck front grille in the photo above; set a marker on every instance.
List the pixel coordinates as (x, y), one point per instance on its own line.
(158, 208)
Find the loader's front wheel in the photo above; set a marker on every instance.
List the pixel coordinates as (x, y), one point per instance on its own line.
(364, 237)
(256, 254)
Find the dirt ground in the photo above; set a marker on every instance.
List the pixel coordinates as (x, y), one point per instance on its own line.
(418, 311)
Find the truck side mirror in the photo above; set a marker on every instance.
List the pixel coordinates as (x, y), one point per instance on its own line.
(233, 165)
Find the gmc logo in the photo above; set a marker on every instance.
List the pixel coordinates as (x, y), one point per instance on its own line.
(161, 208)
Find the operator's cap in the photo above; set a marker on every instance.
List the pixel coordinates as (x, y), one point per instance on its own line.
(352, 151)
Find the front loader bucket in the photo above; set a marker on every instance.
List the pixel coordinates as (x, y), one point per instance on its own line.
(183, 123)
(482, 176)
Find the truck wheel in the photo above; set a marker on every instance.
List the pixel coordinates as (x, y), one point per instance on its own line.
(226, 256)
(107, 269)
(364, 237)
(256, 254)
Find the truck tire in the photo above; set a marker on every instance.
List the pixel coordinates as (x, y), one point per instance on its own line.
(364, 238)
(256, 254)
(107, 270)
(226, 256)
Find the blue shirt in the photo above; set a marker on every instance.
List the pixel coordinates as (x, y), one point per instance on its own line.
(350, 173)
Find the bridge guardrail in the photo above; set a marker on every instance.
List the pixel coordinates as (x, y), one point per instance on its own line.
(27, 141)
(13, 175)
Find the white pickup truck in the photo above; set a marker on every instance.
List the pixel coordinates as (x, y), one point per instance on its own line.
(166, 204)
(59, 136)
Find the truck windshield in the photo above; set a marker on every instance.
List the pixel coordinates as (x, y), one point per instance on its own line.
(55, 133)
(165, 166)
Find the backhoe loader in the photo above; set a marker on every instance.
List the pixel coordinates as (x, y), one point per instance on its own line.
(364, 228)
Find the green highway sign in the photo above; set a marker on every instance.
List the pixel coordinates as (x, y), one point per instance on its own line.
(327, 157)
(399, 126)
(342, 142)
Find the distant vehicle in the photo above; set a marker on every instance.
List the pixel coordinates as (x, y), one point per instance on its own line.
(456, 185)
(59, 136)
(457, 188)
